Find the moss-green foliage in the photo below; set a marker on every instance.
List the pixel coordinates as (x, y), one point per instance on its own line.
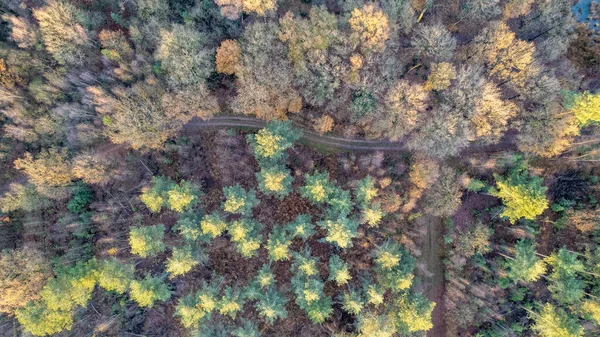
(246, 329)
(271, 305)
(147, 241)
(239, 201)
(245, 233)
(270, 143)
(164, 192)
(365, 190)
(114, 275)
(340, 232)
(370, 324)
(82, 197)
(339, 203)
(555, 322)
(338, 271)
(147, 291)
(278, 244)
(181, 261)
(275, 180)
(414, 312)
(317, 187)
(231, 302)
(308, 288)
(394, 266)
(301, 227)
(566, 285)
(188, 311)
(523, 195)
(352, 302)
(525, 266)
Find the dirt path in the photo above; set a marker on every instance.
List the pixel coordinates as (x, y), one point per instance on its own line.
(431, 270)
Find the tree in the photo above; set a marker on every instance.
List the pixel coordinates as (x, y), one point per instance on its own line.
(231, 9)
(259, 7)
(317, 188)
(247, 329)
(191, 101)
(480, 10)
(492, 114)
(239, 201)
(592, 309)
(338, 271)
(400, 14)
(555, 322)
(164, 192)
(63, 36)
(149, 290)
(301, 227)
(323, 124)
(264, 78)
(523, 195)
(352, 303)
(154, 197)
(23, 273)
(115, 46)
(188, 311)
(443, 198)
(213, 225)
(565, 285)
(184, 55)
(370, 324)
(231, 302)
(441, 76)
(525, 266)
(414, 312)
(585, 107)
(114, 275)
(434, 42)
(547, 131)
(181, 261)
(182, 196)
(404, 103)
(228, 57)
(50, 168)
(506, 57)
(23, 197)
(275, 180)
(369, 27)
(475, 241)
(147, 241)
(270, 142)
(278, 244)
(394, 266)
(340, 232)
(37, 319)
(92, 169)
(134, 116)
(72, 286)
(516, 8)
(22, 31)
(271, 306)
(245, 233)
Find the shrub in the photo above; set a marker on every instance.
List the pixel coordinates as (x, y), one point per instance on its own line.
(147, 241)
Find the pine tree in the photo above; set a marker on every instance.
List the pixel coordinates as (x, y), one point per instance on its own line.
(270, 142)
(301, 227)
(526, 266)
(213, 225)
(585, 106)
(149, 290)
(189, 226)
(239, 201)
(271, 306)
(114, 275)
(154, 197)
(278, 244)
(317, 188)
(565, 284)
(147, 241)
(365, 190)
(414, 312)
(188, 311)
(523, 195)
(182, 196)
(338, 270)
(352, 303)
(555, 322)
(72, 287)
(340, 232)
(394, 266)
(245, 233)
(247, 329)
(231, 302)
(39, 320)
(164, 192)
(275, 180)
(181, 261)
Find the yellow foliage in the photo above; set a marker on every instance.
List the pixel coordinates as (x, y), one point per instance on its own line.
(274, 181)
(323, 124)
(592, 308)
(342, 277)
(267, 143)
(370, 27)
(207, 302)
(229, 308)
(372, 216)
(441, 76)
(260, 7)
(179, 200)
(318, 192)
(586, 108)
(388, 260)
(152, 200)
(310, 295)
(234, 204)
(374, 297)
(228, 57)
(49, 168)
(337, 233)
(212, 226)
(308, 267)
